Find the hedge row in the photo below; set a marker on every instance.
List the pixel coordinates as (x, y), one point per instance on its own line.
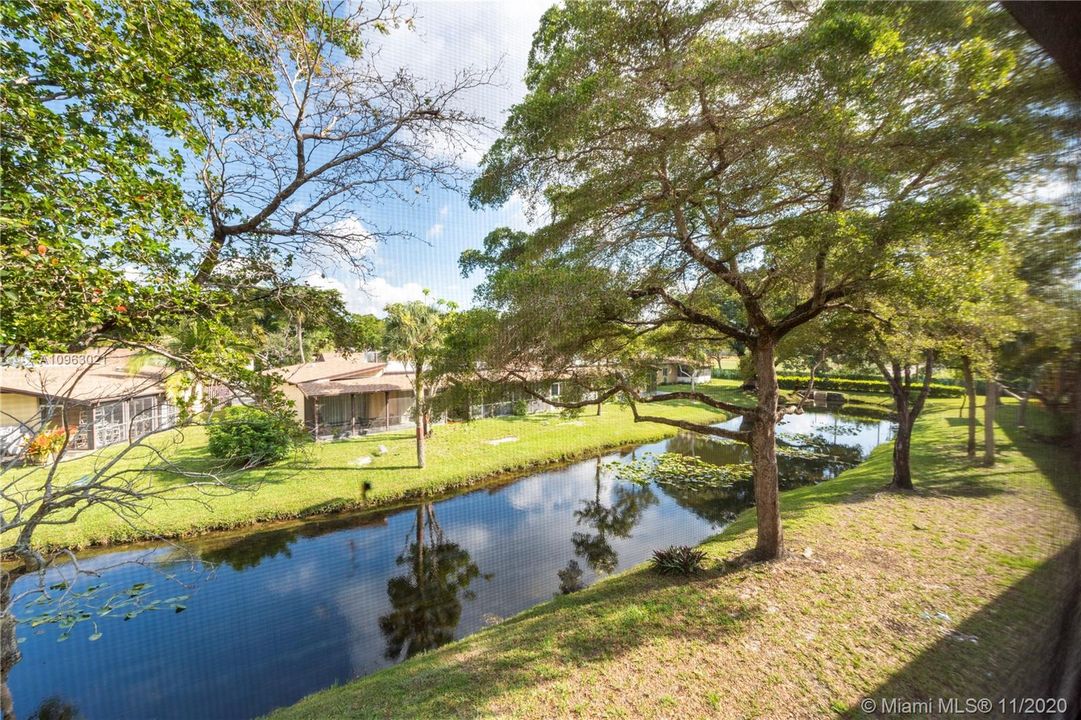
(799, 382)
(855, 383)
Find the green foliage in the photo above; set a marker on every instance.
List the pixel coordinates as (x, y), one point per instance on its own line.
(678, 560)
(66, 607)
(297, 321)
(415, 332)
(800, 382)
(707, 175)
(250, 436)
(520, 408)
(48, 442)
(682, 471)
(92, 204)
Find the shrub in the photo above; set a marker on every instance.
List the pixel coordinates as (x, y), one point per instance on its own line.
(250, 436)
(852, 382)
(520, 408)
(678, 559)
(48, 443)
(799, 382)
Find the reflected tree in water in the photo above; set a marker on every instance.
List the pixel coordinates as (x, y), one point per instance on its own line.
(250, 550)
(615, 520)
(570, 578)
(427, 601)
(714, 504)
(819, 459)
(55, 708)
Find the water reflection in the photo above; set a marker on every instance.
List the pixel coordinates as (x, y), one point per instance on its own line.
(613, 520)
(311, 604)
(246, 551)
(54, 708)
(427, 601)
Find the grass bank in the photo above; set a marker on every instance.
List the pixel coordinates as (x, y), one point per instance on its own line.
(948, 591)
(327, 477)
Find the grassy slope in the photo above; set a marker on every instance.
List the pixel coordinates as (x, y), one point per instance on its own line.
(324, 478)
(805, 637)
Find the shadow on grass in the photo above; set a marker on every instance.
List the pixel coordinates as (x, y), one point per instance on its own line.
(1057, 466)
(1027, 642)
(1017, 646)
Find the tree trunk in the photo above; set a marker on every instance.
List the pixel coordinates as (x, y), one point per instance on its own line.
(420, 445)
(9, 644)
(970, 392)
(989, 403)
(764, 455)
(418, 414)
(902, 446)
(598, 409)
(1022, 411)
(300, 338)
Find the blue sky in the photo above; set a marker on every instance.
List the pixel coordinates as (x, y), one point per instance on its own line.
(448, 35)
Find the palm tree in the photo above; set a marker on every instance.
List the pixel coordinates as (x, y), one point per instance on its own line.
(185, 387)
(414, 333)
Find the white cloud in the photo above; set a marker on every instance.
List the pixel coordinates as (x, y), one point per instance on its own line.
(357, 235)
(376, 293)
(450, 36)
(368, 296)
(434, 231)
(444, 210)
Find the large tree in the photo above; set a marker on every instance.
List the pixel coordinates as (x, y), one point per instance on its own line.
(345, 134)
(161, 162)
(692, 155)
(94, 115)
(153, 155)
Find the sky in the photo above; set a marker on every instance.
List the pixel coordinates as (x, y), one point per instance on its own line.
(449, 34)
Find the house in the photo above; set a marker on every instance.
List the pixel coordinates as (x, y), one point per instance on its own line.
(510, 400)
(105, 395)
(671, 371)
(499, 393)
(337, 395)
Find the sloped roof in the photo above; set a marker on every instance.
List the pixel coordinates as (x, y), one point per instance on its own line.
(329, 366)
(387, 382)
(89, 377)
(684, 361)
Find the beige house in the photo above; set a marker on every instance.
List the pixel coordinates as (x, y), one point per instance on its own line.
(97, 393)
(337, 395)
(672, 371)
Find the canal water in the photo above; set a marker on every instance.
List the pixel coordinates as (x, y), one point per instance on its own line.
(275, 614)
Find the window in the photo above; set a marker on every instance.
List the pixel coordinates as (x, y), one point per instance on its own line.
(109, 425)
(144, 416)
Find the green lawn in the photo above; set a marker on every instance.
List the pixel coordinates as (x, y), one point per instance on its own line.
(947, 591)
(325, 477)
(730, 362)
